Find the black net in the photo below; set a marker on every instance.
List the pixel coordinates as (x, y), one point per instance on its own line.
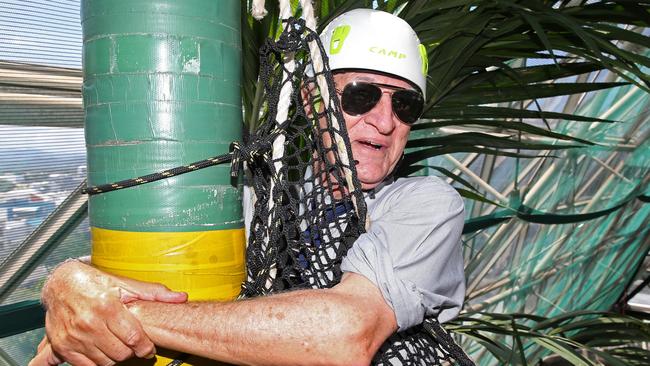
(305, 213)
(308, 205)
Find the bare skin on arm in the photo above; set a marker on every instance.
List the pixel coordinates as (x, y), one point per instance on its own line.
(87, 322)
(343, 325)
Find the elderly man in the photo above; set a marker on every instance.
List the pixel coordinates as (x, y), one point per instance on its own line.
(407, 266)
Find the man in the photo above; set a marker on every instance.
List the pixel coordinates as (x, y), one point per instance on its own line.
(407, 265)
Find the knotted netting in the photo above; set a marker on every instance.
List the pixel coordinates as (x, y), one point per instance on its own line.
(307, 204)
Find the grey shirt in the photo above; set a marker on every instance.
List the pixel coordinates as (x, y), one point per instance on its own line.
(412, 251)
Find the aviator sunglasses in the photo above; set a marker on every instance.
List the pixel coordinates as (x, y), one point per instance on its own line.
(360, 97)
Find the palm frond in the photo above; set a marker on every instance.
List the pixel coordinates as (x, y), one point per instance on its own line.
(582, 337)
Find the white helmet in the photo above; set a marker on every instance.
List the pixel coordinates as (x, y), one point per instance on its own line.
(375, 40)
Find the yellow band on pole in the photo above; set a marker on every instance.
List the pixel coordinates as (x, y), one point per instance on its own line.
(208, 265)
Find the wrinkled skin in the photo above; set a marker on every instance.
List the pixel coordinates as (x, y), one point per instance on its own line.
(379, 126)
(88, 321)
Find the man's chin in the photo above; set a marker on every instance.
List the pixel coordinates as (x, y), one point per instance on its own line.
(365, 187)
(368, 185)
(368, 181)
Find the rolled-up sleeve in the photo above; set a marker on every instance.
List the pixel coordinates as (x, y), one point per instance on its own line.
(412, 252)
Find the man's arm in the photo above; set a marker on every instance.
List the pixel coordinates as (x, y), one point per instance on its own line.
(344, 325)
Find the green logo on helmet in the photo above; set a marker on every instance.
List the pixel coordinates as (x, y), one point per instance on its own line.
(339, 35)
(425, 59)
(387, 52)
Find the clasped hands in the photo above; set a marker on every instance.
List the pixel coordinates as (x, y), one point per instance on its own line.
(88, 321)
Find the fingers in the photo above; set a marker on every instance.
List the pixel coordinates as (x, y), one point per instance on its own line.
(86, 340)
(167, 295)
(108, 350)
(77, 359)
(131, 334)
(132, 290)
(45, 356)
(105, 353)
(42, 345)
(170, 296)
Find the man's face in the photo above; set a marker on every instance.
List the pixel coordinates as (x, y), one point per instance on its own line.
(377, 137)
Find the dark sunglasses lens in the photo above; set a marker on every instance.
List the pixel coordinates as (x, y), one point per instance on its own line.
(359, 98)
(407, 105)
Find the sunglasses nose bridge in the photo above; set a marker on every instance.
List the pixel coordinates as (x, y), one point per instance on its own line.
(391, 102)
(381, 115)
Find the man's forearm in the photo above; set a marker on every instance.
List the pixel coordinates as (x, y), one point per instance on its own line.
(327, 327)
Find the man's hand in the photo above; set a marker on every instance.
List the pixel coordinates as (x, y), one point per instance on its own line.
(87, 322)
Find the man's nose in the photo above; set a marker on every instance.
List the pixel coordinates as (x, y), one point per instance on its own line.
(381, 116)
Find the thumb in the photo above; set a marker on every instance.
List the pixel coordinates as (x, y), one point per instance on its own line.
(170, 296)
(135, 290)
(43, 344)
(45, 357)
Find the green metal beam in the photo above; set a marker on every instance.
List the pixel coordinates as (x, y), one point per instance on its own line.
(20, 263)
(21, 317)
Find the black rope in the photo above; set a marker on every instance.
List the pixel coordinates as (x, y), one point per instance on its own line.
(127, 183)
(236, 156)
(180, 360)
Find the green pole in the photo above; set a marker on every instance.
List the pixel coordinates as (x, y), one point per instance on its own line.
(162, 89)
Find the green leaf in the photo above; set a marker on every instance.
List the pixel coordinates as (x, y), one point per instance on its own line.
(510, 94)
(613, 32)
(530, 75)
(415, 156)
(501, 124)
(483, 139)
(471, 112)
(563, 351)
(475, 196)
(499, 350)
(483, 222)
(453, 176)
(540, 33)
